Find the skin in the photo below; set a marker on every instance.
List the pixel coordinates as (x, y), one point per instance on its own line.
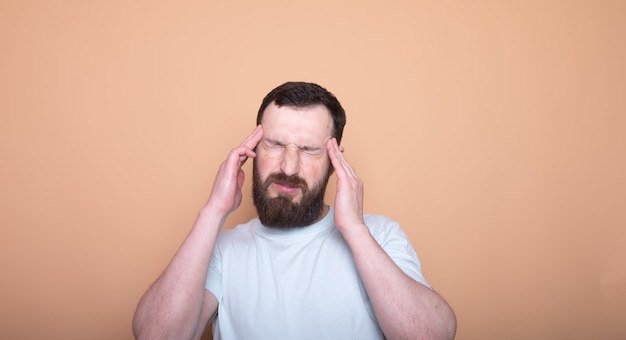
(300, 136)
(177, 306)
(405, 309)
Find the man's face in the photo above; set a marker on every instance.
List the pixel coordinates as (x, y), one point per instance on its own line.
(292, 167)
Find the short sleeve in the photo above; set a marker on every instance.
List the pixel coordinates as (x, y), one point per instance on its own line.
(397, 245)
(214, 277)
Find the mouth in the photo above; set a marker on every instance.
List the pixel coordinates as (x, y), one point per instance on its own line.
(285, 189)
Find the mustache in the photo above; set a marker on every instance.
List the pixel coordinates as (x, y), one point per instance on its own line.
(282, 179)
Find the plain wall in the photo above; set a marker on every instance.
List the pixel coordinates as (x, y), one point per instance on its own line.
(494, 132)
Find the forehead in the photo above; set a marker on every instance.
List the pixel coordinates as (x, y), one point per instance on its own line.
(300, 125)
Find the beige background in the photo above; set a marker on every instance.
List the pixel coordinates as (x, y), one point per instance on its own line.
(495, 133)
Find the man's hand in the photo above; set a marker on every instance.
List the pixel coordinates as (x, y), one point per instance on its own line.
(349, 197)
(404, 308)
(226, 193)
(177, 305)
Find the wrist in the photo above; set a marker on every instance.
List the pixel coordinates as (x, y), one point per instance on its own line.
(212, 215)
(355, 232)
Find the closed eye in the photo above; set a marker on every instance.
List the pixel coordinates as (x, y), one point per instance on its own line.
(272, 143)
(310, 150)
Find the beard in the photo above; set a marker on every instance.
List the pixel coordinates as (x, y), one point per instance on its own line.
(282, 212)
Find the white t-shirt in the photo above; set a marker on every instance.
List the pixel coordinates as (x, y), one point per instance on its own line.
(298, 284)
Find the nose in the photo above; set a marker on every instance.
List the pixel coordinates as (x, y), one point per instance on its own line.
(290, 164)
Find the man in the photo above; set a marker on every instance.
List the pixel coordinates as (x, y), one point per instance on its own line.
(302, 269)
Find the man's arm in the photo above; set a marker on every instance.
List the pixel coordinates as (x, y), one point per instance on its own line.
(405, 309)
(177, 305)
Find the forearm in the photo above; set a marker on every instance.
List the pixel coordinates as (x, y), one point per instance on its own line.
(172, 306)
(405, 309)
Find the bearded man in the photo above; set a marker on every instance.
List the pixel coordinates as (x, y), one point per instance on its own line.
(302, 269)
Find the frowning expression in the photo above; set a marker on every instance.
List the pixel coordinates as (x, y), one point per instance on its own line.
(294, 144)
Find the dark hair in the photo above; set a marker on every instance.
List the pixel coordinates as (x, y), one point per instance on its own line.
(301, 94)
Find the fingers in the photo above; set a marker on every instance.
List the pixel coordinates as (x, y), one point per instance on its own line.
(250, 143)
(339, 162)
(240, 154)
(226, 192)
(246, 148)
(349, 195)
(254, 138)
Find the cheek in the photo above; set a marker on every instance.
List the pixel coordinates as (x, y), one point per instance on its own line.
(317, 173)
(265, 163)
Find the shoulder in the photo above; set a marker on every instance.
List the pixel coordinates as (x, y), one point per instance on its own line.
(384, 229)
(380, 223)
(378, 220)
(396, 244)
